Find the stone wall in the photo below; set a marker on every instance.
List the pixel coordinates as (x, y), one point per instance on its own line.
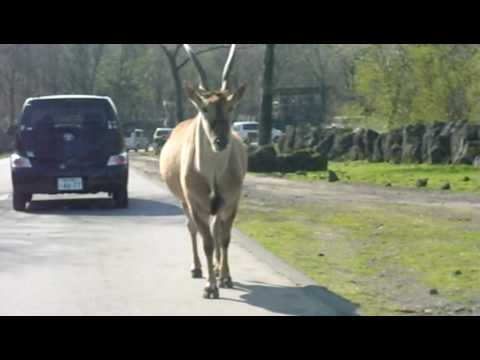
(435, 143)
(266, 159)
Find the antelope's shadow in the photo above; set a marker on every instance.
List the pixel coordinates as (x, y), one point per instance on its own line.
(295, 301)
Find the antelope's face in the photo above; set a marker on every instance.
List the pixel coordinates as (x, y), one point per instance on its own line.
(216, 108)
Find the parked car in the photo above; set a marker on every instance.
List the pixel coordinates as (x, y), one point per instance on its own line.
(137, 141)
(249, 131)
(69, 144)
(160, 137)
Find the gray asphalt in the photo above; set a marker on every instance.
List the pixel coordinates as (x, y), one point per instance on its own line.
(72, 255)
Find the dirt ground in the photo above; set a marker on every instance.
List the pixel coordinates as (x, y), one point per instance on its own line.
(265, 192)
(294, 191)
(402, 288)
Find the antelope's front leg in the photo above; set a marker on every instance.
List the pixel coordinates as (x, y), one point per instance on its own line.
(211, 290)
(196, 270)
(197, 266)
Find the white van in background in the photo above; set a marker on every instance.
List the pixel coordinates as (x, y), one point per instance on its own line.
(249, 130)
(160, 137)
(137, 141)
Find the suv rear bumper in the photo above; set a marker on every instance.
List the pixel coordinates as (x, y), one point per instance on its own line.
(35, 181)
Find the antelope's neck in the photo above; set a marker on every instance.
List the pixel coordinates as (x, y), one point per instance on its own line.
(212, 165)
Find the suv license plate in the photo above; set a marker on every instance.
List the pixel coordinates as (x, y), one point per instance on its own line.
(70, 184)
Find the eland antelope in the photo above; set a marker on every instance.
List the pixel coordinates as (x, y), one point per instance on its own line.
(204, 165)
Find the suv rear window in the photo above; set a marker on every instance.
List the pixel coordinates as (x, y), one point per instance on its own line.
(250, 127)
(67, 113)
(163, 132)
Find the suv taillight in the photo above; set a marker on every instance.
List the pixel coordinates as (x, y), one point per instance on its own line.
(17, 162)
(118, 160)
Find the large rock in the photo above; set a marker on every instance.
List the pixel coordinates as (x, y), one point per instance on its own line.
(436, 144)
(303, 138)
(369, 139)
(476, 162)
(287, 141)
(342, 145)
(465, 143)
(264, 159)
(357, 151)
(391, 145)
(325, 142)
(302, 160)
(298, 138)
(412, 143)
(467, 154)
(314, 137)
(395, 154)
(456, 132)
(378, 148)
(363, 144)
(332, 176)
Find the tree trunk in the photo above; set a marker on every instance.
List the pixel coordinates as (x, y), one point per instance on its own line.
(97, 51)
(266, 121)
(179, 97)
(12, 94)
(323, 109)
(174, 69)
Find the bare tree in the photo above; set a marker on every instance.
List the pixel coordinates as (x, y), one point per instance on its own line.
(82, 62)
(9, 75)
(266, 121)
(51, 74)
(172, 53)
(172, 57)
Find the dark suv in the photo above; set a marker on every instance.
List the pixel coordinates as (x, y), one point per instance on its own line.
(69, 144)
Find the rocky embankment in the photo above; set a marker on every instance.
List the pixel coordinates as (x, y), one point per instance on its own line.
(436, 143)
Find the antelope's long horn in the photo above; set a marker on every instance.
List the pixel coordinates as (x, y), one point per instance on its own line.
(198, 65)
(228, 67)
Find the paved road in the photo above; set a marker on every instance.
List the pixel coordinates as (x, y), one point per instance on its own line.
(78, 256)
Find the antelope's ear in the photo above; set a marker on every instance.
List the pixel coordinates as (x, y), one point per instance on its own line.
(195, 96)
(235, 98)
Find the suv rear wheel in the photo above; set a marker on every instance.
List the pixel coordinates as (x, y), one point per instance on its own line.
(20, 200)
(120, 198)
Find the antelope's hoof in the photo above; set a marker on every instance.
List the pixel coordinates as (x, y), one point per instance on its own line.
(226, 283)
(210, 293)
(197, 273)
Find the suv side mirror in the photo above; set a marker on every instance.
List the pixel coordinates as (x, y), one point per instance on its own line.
(12, 130)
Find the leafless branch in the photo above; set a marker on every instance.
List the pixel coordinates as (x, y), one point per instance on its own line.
(200, 52)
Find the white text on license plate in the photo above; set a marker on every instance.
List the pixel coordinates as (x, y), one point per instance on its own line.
(70, 184)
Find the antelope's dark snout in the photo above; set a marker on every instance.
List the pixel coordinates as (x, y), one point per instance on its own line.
(221, 144)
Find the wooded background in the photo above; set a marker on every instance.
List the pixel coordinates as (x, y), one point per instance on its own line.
(375, 86)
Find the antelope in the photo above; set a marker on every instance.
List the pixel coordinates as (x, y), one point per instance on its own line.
(204, 165)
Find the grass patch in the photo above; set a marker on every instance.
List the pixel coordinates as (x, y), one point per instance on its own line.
(402, 176)
(371, 257)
